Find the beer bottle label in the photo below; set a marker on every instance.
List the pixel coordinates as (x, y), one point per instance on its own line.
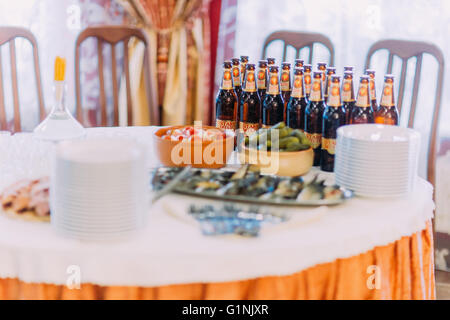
(227, 82)
(285, 81)
(226, 124)
(315, 139)
(262, 78)
(250, 84)
(316, 93)
(387, 99)
(248, 128)
(347, 88)
(334, 98)
(307, 83)
(297, 90)
(363, 99)
(273, 84)
(236, 76)
(329, 145)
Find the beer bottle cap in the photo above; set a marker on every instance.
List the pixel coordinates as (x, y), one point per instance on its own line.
(227, 64)
(364, 78)
(298, 71)
(285, 65)
(388, 77)
(262, 63)
(348, 68)
(348, 74)
(235, 61)
(331, 70)
(321, 65)
(317, 74)
(370, 72)
(244, 58)
(250, 66)
(307, 67)
(335, 78)
(273, 69)
(271, 60)
(299, 62)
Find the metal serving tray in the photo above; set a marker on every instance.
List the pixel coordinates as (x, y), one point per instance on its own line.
(211, 194)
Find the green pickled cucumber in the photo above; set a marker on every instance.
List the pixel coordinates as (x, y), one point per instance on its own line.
(285, 141)
(279, 125)
(283, 133)
(305, 141)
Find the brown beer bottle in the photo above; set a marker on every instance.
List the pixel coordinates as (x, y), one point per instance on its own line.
(362, 111)
(307, 68)
(270, 62)
(348, 95)
(313, 116)
(387, 113)
(372, 91)
(273, 105)
(295, 117)
(330, 72)
(333, 118)
(285, 84)
(226, 101)
(298, 63)
(262, 79)
(250, 103)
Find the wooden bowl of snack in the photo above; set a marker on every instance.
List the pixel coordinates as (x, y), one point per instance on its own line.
(279, 150)
(199, 147)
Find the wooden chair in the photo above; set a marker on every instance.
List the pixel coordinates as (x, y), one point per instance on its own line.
(299, 40)
(113, 35)
(406, 50)
(8, 35)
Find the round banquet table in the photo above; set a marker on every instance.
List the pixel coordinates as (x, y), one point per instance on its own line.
(320, 253)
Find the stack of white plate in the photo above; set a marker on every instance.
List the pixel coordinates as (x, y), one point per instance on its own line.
(377, 160)
(98, 189)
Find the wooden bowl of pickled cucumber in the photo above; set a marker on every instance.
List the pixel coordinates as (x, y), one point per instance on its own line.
(279, 150)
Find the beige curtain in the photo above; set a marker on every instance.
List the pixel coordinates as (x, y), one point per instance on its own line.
(179, 60)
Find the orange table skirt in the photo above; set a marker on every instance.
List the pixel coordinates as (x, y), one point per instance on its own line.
(406, 271)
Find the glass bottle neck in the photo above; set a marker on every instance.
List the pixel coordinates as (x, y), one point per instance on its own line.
(298, 89)
(262, 78)
(227, 81)
(249, 81)
(274, 87)
(316, 90)
(347, 90)
(387, 98)
(60, 96)
(334, 95)
(363, 99)
(285, 84)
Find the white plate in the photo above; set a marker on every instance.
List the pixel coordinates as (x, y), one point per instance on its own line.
(378, 133)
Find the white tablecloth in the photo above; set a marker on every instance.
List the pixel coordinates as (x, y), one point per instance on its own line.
(172, 250)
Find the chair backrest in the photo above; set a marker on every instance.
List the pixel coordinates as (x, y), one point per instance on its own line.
(406, 50)
(8, 35)
(299, 40)
(113, 35)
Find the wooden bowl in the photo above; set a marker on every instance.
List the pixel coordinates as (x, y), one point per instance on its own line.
(211, 154)
(289, 164)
